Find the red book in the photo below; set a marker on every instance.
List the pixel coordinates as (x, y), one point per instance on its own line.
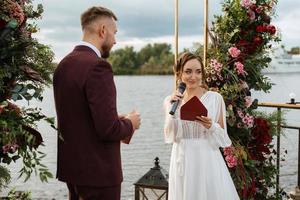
(192, 108)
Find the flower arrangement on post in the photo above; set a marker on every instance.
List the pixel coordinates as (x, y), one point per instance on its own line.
(239, 51)
(26, 66)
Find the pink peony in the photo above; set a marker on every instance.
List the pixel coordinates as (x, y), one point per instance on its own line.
(231, 161)
(234, 52)
(228, 150)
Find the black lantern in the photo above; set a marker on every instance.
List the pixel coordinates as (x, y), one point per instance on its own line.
(153, 185)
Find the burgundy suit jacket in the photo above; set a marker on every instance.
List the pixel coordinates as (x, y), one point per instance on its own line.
(85, 100)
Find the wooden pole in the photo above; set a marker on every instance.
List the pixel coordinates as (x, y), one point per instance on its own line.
(176, 31)
(205, 32)
(176, 42)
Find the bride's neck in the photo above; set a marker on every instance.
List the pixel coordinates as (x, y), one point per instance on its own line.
(194, 92)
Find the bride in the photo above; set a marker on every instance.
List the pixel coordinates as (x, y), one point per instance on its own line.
(197, 168)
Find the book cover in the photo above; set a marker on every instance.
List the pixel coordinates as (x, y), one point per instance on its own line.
(192, 108)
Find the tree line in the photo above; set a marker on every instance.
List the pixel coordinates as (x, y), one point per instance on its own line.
(151, 59)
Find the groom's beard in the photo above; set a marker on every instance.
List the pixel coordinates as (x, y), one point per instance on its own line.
(105, 51)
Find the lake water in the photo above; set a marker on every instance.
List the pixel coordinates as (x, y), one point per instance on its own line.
(146, 94)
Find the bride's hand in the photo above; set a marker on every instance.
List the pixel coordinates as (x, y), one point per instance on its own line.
(176, 96)
(205, 121)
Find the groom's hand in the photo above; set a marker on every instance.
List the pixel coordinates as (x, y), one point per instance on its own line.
(122, 116)
(135, 119)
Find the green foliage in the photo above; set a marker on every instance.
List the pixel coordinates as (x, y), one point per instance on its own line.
(124, 61)
(18, 195)
(4, 177)
(151, 59)
(25, 69)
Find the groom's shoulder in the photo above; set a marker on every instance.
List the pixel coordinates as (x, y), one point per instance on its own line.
(103, 63)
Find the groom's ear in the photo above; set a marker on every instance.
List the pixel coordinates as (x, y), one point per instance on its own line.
(102, 30)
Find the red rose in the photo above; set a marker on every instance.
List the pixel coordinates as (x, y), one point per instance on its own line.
(258, 10)
(271, 29)
(263, 149)
(2, 23)
(243, 32)
(257, 156)
(266, 18)
(260, 29)
(1, 109)
(257, 40)
(14, 108)
(253, 7)
(242, 43)
(262, 137)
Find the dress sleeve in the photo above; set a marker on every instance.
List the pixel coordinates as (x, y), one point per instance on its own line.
(218, 136)
(173, 126)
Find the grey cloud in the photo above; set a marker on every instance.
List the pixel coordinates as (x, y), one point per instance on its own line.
(137, 18)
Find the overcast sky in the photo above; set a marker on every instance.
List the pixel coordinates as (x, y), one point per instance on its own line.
(148, 21)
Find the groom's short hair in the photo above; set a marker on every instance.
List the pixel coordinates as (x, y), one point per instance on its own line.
(94, 13)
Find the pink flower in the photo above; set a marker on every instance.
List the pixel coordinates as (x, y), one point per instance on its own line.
(241, 114)
(258, 10)
(231, 161)
(216, 65)
(243, 85)
(228, 150)
(247, 3)
(248, 120)
(10, 148)
(240, 68)
(239, 125)
(251, 15)
(248, 101)
(15, 10)
(234, 52)
(5, 148)
(13, 148)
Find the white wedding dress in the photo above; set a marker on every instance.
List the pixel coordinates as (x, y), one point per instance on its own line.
(197, 168)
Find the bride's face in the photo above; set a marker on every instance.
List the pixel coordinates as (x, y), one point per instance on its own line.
(192, 74)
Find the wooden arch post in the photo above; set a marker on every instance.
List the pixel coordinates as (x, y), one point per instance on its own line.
(205, 30)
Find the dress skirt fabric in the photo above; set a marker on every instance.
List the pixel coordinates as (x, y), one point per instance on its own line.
(197, 168)
(205, 175)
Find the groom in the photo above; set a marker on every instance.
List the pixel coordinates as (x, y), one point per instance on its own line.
(88, 157)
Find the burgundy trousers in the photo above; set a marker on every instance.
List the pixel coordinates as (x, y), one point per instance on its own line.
(79, 192)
